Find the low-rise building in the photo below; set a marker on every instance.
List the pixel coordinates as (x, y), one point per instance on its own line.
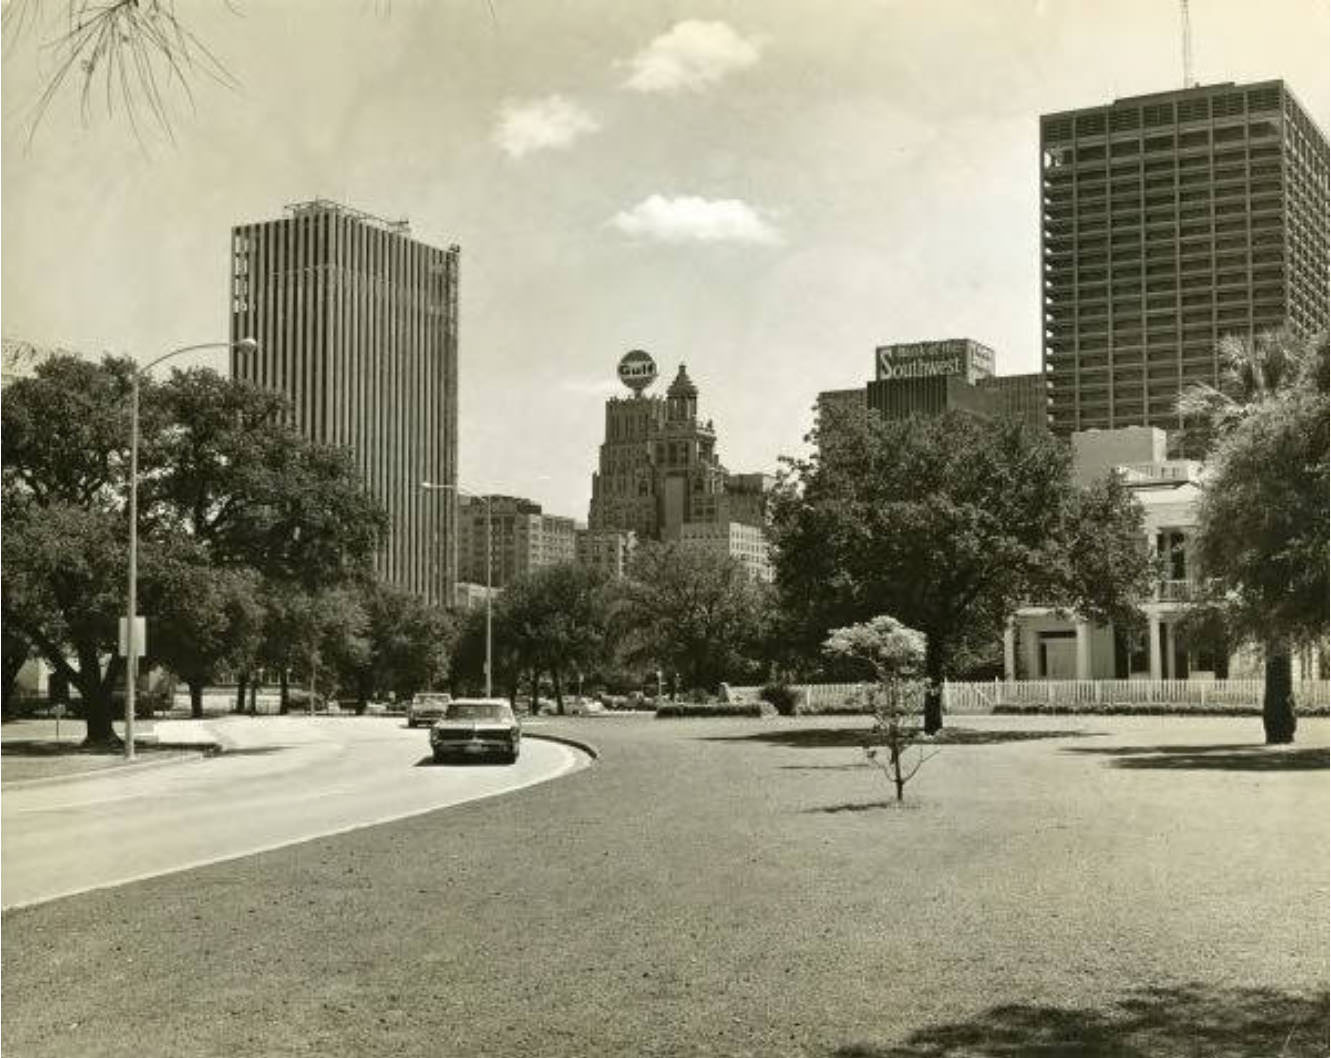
(1042, 643)
(609, 550)
(747, 544)
(523, 538)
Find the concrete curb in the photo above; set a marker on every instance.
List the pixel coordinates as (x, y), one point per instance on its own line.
(188, 751)
(586, 747)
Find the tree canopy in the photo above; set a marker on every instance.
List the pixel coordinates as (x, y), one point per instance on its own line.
(1261, 540)
(949, 523)
(693, 612)
(227, 486)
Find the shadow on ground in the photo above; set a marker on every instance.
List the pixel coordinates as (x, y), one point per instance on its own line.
(70, 748)
(1214, 758)
(428, 761)
(843, 737)
(1190, 1020)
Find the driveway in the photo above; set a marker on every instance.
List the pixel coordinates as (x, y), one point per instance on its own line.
(281, 780)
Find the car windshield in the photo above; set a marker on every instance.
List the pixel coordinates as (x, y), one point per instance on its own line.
(431, 699)
(476, 711)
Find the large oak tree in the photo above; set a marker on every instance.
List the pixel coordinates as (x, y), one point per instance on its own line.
(949, 524)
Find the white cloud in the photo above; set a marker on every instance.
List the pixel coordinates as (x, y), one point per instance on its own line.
(541, 124)
(690, 219)
(690, 56)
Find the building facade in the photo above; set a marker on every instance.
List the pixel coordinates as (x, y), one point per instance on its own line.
(607, 550)
(357, 325)
(522, 539)
(952, 374)
(658, 470)
(747, 544)
(1167, 222)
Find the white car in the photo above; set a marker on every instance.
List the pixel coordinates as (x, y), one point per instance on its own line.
(427, 707)
(476, 727)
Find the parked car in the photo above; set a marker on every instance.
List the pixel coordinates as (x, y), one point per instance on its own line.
(473, 727)
(427, 706)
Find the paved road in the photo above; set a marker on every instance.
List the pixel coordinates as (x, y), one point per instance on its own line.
(283, 780)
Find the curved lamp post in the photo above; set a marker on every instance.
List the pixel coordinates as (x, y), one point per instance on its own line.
(430, 486)
(245, 345)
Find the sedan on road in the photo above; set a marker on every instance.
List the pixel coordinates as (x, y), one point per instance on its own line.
(476, 727)
(427, 707)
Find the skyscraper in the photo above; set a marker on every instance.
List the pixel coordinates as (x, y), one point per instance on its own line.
(357, 326)
(1167, 222)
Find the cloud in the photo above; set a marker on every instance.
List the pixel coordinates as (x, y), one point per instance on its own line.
(690, 56)
(551, 123)
(691, 219)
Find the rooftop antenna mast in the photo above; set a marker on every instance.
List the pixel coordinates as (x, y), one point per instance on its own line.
(1187, 44)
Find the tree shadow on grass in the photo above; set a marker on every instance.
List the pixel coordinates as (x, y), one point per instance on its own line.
(850, 737)
(866, 806)
(1234, 757)
(1191, 1020)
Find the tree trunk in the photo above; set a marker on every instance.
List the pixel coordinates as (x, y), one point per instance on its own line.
(242, 684)
(195, 699)
(284, 691)
(98, 706)
(1278, 700)
(535, 692)
(933, 693)
(559, 691)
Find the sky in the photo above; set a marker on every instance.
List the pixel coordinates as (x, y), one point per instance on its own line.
(764, 190)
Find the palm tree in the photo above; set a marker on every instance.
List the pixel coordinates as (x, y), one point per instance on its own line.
(1245, 541)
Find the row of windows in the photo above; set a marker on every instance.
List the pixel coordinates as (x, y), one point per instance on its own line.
(1125, 118)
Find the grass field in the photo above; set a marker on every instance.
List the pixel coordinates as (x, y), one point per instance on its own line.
(1052, 886)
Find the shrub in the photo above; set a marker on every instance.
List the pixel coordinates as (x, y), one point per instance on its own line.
(785, 699)
(680, 710)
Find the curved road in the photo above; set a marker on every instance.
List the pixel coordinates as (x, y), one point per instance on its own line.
(282, 780)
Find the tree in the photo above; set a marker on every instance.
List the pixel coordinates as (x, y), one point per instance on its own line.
(1261, 542)
(691, 611)
(15, 650)
(222, 477)
(402, 645)
(555, 621)
(950, 523)
(896, 654)
(207, 618)
(64, 579)
(66, 439)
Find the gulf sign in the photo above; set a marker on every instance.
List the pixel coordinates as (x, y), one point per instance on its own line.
(954, 356)
(637, 370)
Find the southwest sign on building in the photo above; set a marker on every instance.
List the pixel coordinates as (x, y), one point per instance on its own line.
(952, 356)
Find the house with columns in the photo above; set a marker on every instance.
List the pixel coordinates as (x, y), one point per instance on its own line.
(1042, 643)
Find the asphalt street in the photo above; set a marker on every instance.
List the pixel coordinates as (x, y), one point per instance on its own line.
(281, 780)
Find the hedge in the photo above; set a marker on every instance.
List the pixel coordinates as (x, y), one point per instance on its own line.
(679, 710)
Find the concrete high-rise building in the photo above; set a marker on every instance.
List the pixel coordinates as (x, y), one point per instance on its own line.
(357, 325)
(1167, 222)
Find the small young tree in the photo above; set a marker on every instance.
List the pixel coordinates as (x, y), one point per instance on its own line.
(896, 654)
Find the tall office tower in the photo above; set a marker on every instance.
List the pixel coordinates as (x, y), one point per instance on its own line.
(1167, 222)
(357, 326)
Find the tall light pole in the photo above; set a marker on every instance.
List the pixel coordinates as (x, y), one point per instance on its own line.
(245, 345)
(489, 574)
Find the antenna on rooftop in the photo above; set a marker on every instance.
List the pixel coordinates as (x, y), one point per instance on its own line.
(1187, 44)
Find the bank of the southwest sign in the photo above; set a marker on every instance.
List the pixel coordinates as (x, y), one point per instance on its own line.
(928, 359)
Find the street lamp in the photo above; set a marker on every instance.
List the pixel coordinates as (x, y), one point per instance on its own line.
(245, 345)
(489, 560)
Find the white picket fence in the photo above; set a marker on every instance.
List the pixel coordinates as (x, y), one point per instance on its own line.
(980, 697)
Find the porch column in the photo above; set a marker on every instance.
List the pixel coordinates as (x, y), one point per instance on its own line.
(1083, 650)
(1010, 650)
(1171, 671)
(1153, 644)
